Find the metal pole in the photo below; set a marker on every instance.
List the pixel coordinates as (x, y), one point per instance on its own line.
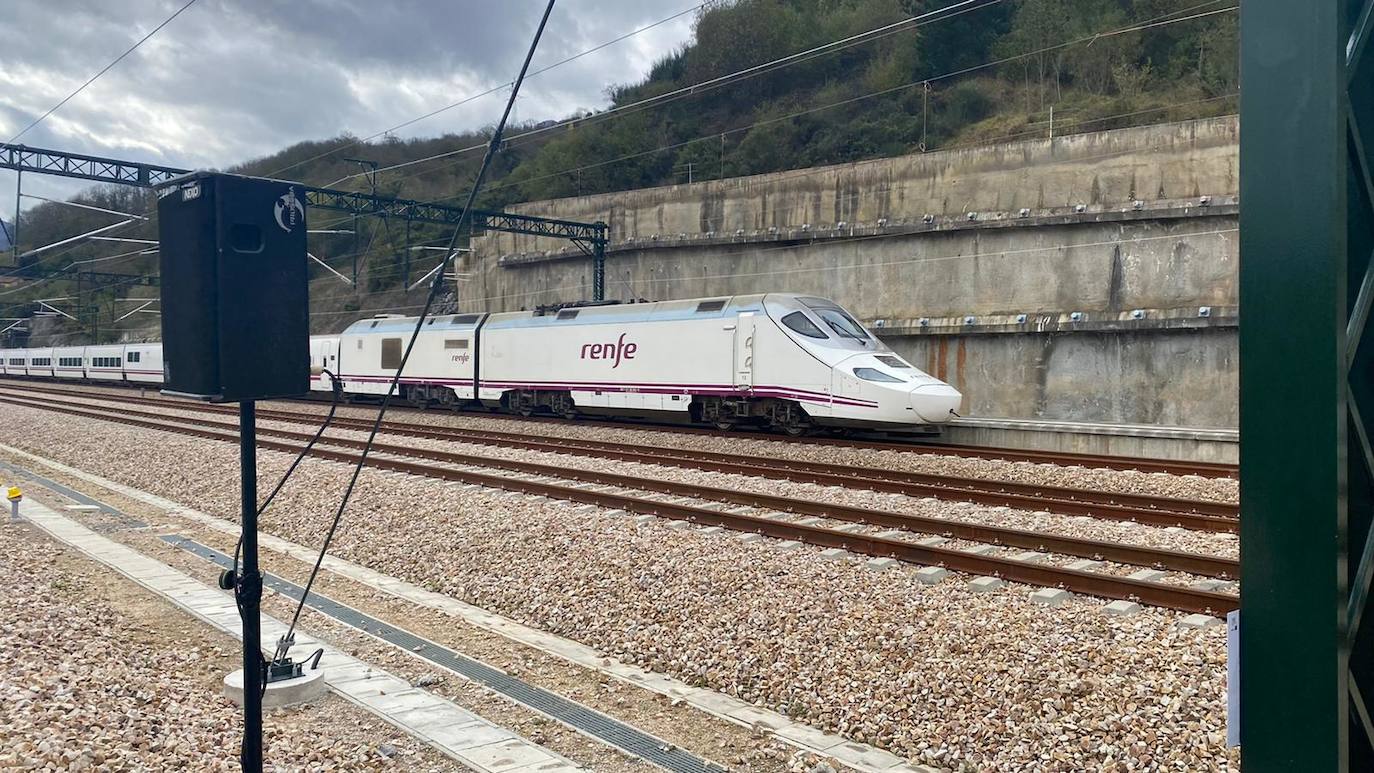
(355, 249)
(249, 590)
(405, 258)
(599, 270)
(14, 229)
(925, 110)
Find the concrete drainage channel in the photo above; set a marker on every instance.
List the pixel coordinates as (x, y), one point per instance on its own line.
(125, 521)
(580, 718)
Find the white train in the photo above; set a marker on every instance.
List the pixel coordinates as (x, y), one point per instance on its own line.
(788, 362)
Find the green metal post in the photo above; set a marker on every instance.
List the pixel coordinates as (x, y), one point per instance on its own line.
(1307, 384)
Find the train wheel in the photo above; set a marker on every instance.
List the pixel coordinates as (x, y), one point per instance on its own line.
(793, 430)
(723, 426)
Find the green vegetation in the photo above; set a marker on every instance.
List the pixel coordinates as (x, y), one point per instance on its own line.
(986, 75)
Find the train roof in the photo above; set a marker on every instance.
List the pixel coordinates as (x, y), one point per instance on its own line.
(619, 313)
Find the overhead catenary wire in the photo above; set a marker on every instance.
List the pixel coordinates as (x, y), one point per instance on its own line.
(1157, 21)
(285, 643)
(355, 143)
(930, 17)
(103, 70)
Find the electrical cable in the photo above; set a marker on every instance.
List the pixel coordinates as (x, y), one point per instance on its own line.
(104, 70)
(284, 644)
(336, 386)
(913, 22)
(1157, 21)
(229, 579)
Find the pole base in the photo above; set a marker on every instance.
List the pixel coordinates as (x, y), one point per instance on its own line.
(287, 692)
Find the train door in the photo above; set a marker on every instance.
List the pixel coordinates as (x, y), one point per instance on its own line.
(327, 355)
(744, 351)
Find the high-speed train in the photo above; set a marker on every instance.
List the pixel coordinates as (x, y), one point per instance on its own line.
(788, 362)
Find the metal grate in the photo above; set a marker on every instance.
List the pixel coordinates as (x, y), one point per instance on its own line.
(581, 718)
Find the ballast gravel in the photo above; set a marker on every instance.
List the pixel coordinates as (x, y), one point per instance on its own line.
(918, 459)
(97, 674)
(1080, 527)
(935, 673)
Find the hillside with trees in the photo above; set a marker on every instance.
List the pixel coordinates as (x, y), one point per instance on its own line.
(1002, 71)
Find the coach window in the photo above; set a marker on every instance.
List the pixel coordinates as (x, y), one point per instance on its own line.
(391, 353)
(132, 357)
(802, 324)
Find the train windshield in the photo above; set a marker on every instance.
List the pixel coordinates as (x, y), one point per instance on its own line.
(842, 323)
(836, 319)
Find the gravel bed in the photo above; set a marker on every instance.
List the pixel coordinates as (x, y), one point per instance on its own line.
(944, 676)
(89, 682)
(1008, 552)
(917, 460)
(1122, 532)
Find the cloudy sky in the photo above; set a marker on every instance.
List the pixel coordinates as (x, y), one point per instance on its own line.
(230, 80)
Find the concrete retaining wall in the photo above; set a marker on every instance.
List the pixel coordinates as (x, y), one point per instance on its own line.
(1088, 279)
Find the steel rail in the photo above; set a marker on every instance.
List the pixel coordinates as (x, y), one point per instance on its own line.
(923, 446)
(1107, 461)
(927, 446)
(1153, 510)
(1092, 583)
(1191, 563)
(1163, 511)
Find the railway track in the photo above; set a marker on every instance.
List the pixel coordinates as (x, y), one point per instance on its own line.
(915, 445)
(1153, 510)
(534, 478)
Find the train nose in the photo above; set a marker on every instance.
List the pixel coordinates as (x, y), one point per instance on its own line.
(935, 403)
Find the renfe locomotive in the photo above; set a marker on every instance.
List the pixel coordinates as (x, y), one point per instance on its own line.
(788, 362)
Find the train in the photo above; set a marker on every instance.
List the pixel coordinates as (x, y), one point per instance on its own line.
(792, 363)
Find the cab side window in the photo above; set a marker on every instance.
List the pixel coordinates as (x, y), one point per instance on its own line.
(800, 323)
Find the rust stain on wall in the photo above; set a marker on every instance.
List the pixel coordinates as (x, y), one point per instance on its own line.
(960, 358)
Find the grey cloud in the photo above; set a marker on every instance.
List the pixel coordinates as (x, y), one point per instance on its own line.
(231, 80)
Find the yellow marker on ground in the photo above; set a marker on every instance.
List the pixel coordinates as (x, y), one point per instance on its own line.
(14, 494)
